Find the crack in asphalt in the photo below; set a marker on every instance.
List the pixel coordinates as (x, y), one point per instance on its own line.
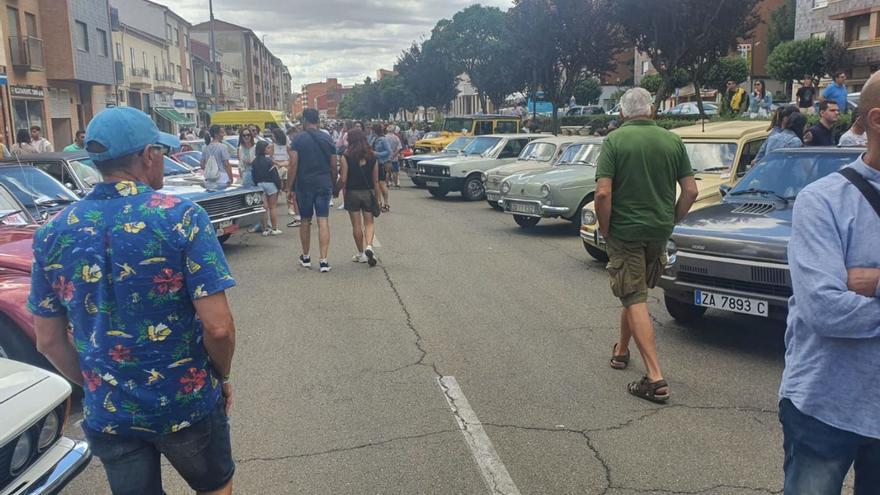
(367, 445)
(699, 491)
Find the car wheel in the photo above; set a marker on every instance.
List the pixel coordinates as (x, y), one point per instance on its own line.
(15, 345)
(683, 312)
(494, 205)
(437, 192)
(526, 222)
(473, 189)
(223, 238)
(596, 253)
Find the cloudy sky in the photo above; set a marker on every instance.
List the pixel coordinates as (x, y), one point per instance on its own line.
(346, 39)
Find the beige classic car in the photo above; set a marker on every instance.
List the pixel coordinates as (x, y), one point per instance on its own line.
(35, 457)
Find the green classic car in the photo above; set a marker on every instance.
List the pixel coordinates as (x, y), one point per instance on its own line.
(559, 192)
(540, 155)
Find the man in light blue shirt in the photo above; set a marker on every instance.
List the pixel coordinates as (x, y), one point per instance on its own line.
(829, 398)
(836, 91)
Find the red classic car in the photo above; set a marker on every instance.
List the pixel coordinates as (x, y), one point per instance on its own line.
(17, 229)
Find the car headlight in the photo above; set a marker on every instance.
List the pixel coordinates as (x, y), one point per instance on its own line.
(421, 170)
(505, 187)
(671, 252)
(588, 216)
(49, 431)
(545, 191)
(21, 454)
(254, 199)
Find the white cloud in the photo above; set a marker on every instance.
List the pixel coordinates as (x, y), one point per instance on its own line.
(346, 39)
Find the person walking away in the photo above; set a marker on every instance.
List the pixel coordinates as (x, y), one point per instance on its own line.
(313, 173)
(281, 154)
(341, 146)
(23, 145)
(393, 172)
(217, 151)
(267, 178)
(359, 171)
(837, 92)
(636, 207)
(735, 98)
(855, 135)
(140, 278)
(822, 134)
(383, 154)
(247, 153)
(760, 101)
(78, 143)
(806, 95)
(791, 136)
(829, 404)
(41, 144)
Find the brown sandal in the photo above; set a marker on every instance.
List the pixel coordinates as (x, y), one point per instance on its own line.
(646, 389)
(619, 361)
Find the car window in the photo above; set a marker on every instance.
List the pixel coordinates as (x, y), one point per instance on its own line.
(483, 128)
(33, 187)
(505, 127)
(711, 157)
(457, 124)
(459, 144)
(172, 167)
(55, 170)
(512, 149)
(786, 174)
(749, 152)
(193, 159)
(538, 151)
(580, 154)
(481, 145)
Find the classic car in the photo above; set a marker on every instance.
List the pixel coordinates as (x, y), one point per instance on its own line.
(231, 209)
(540, 154)
(35, 456)
(690, 108)
(410, 163)
(557, 192)
(719, 152)
(200, 145)
(733, 256)
(472, 125)
(192, 159)
(40, 193)
(463, 173)
(578, 110)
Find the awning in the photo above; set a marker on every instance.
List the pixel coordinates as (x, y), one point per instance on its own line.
(174, 116)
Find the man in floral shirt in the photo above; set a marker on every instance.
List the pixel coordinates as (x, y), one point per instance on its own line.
(140, 277)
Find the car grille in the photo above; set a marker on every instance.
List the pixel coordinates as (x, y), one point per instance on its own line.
(219, 207)
(34, 431)
(435, 170)
(723, 283)
(754, 208)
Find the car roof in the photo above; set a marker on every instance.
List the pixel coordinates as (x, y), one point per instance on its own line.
(732, 129)
(569, 139)
(855, 150)
(36, 157)
(523, 135)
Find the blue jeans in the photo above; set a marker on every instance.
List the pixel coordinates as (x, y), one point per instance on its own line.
(314, 203)
(818, 456)
(201, 454)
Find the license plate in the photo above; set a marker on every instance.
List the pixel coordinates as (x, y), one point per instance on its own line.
(493, 196)
(736, 304)
(222, 225)
(432, 183)
(527, 208)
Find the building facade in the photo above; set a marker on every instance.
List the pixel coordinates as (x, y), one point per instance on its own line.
(856, 23)
(323, 96)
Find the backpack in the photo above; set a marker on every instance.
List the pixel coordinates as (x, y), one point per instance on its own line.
(212, 169)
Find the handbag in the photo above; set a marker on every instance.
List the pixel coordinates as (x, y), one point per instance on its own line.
(374, 201)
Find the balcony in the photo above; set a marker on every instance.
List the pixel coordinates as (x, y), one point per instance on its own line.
(26, 53)
(165, 82)
(855, 45)
(139, 78)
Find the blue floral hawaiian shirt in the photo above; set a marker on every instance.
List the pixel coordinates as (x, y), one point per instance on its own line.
(124, 265)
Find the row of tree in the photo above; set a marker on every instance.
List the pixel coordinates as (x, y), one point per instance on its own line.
(561, 47)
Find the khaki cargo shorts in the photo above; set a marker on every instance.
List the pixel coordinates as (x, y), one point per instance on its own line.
(634, 267)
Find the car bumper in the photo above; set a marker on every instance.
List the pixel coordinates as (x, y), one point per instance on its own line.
(533, 208)
(442, 183)
(53, 470)
(231, 224)
(590, 235)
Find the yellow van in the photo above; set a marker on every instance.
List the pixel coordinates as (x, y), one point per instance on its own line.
(472, 125)
(262, 118)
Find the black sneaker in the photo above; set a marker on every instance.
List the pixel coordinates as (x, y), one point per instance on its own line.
(305, 261)
(325, 266)
(371, 256)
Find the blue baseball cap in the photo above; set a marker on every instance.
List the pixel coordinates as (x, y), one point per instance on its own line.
(120, 131)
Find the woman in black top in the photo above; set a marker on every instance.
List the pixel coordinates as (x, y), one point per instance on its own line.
(359, 172)
(266, 177)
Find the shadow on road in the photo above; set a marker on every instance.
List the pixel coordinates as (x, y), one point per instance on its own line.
(737, 333)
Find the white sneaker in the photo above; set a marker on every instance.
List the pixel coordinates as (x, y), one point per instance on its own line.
(371, 256)
(359, 258)
(266, 233)
(275, 232)
(291, 212)
(331, 202)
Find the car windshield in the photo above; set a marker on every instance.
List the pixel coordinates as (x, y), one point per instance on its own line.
(86, 171)
(35, 188)
(10, 210)
(711, 157)
(458, 124)
(198, 145)
(172, 167)
(459, 144)
(481, 145)
(192, 159)
(580, 154)
(785, 174)
(431, 135)
(541, 152)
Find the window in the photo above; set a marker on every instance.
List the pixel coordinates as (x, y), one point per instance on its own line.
(646, 65)
(155, 66)
(12, 15)
(26, 113)
(30, 21)
(168, 32)
(176, 37)
(484, 127)
(102, 43)
(179, 74)
(81, 37)
(132, 57)
(119, 51)
(749, 152)
(858, 28)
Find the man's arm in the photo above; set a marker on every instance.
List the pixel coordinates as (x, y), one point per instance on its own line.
(291, 173)
(218, 336)
(687, 197)
(52, 342)
(602, 202)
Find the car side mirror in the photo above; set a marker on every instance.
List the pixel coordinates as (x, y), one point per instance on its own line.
(724, 188)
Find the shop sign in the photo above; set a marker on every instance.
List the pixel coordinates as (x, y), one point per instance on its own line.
(27, 91)
(179, 104)
(190, 104)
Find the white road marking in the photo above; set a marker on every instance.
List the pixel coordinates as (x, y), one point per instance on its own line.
(491, 467)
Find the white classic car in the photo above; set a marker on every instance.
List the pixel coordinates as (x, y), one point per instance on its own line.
(35, 457)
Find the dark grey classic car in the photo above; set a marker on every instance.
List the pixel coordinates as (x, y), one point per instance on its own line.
(733, 256)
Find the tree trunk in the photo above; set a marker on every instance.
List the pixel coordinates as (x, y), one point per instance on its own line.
(555, 129)
(699, 98)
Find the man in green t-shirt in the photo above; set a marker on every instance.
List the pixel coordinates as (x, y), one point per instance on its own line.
(78, 144)
(638, 169)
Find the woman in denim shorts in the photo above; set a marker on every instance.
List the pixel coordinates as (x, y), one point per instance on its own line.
(266, 177)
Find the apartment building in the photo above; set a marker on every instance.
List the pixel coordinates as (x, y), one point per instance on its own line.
(856, 23)
(244, 51)
(229, 94)
(324, 96)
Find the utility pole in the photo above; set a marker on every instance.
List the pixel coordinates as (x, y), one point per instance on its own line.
(213, 57)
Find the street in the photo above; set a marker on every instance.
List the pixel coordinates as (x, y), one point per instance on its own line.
(357, 381)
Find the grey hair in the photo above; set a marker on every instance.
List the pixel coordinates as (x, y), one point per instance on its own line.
(636, 102)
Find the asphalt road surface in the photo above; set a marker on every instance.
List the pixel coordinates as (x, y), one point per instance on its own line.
(474, 359)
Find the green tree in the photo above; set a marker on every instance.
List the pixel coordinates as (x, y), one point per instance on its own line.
(781, 26)
(792, 60)
(428, 75)
(835, 55)
(730, 68)
(651, 82)
(588, 91)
